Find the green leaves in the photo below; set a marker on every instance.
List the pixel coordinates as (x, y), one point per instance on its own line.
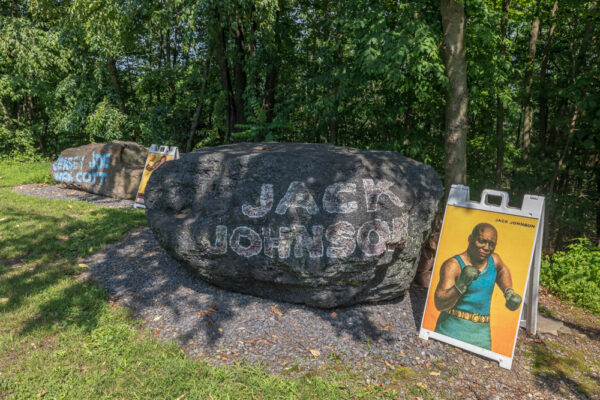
(574, 274)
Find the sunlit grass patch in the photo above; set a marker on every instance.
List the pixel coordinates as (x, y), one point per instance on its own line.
(563, 364)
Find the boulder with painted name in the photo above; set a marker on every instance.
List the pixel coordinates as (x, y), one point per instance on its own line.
(305, 223)
(109, 169)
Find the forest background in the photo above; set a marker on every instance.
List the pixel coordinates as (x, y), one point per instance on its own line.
(362, 73)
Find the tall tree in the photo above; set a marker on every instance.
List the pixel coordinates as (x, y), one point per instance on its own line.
(499, 104)
(529, 66)
(543, 96)
(457, 98)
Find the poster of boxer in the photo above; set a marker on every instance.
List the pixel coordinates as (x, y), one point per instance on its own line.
(157, 156)
(479, 278)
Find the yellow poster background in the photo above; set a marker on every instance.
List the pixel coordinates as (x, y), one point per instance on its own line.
(516, 237)
(153, 158)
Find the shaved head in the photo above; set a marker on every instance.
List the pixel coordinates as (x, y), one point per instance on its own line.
(480, 228)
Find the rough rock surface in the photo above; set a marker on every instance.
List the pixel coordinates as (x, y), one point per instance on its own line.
(304, 223)
(109, 169)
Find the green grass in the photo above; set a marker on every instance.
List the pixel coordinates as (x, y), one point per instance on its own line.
(563, 364)
(61, 338)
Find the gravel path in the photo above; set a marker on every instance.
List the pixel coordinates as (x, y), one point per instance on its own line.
(56, 192)
(224, 326)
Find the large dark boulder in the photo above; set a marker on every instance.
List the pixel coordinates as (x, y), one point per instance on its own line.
(306, 223)
(110, 169)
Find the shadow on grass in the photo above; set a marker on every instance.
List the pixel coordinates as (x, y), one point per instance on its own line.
(48, 238)
(40, 249)
(568, 369)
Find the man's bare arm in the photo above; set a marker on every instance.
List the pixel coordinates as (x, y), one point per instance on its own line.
(446, 294)
(504, 282)
(503, 278)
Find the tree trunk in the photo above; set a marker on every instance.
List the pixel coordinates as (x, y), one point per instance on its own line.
(543, 96)
(239, 74)
(196, 119)
(161, 52)
(333, 132)
(518, 138)
(575, 72)
(499, 105)
(528, 111)
(226, 80)
(31, 109)
(500, 140)
(270, 84)
(112, 67)
(175, 45)
(457, 99)
(168, 48)
(6, 115)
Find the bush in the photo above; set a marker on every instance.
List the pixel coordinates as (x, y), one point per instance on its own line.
(17, 143)
(107, 123)
(574, 274)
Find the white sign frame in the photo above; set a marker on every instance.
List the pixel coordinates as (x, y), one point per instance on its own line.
(533, 207)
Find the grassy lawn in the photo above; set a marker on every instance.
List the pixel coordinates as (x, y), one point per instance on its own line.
(60, 338)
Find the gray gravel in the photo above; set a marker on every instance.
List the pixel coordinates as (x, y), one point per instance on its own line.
(57, 192)
(222, 326)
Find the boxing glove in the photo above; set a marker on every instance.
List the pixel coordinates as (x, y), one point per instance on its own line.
(513, 300)
(467, 276)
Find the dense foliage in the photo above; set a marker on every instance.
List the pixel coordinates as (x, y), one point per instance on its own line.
(575, 274)
(359, 73)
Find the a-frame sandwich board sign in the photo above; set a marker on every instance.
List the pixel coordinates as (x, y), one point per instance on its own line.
(485, 279)
(157, 156)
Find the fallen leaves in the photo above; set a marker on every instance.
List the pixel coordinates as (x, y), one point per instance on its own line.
(209, 311)
(388, 326)
(315, 352)
(275, 311)
(41, 392)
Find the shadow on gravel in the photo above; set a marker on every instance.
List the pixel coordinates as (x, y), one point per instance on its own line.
(176, 303)
(418, 297)
(187, 199)
(591, 333)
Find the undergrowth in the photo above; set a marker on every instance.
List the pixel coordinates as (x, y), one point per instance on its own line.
(574, 275)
